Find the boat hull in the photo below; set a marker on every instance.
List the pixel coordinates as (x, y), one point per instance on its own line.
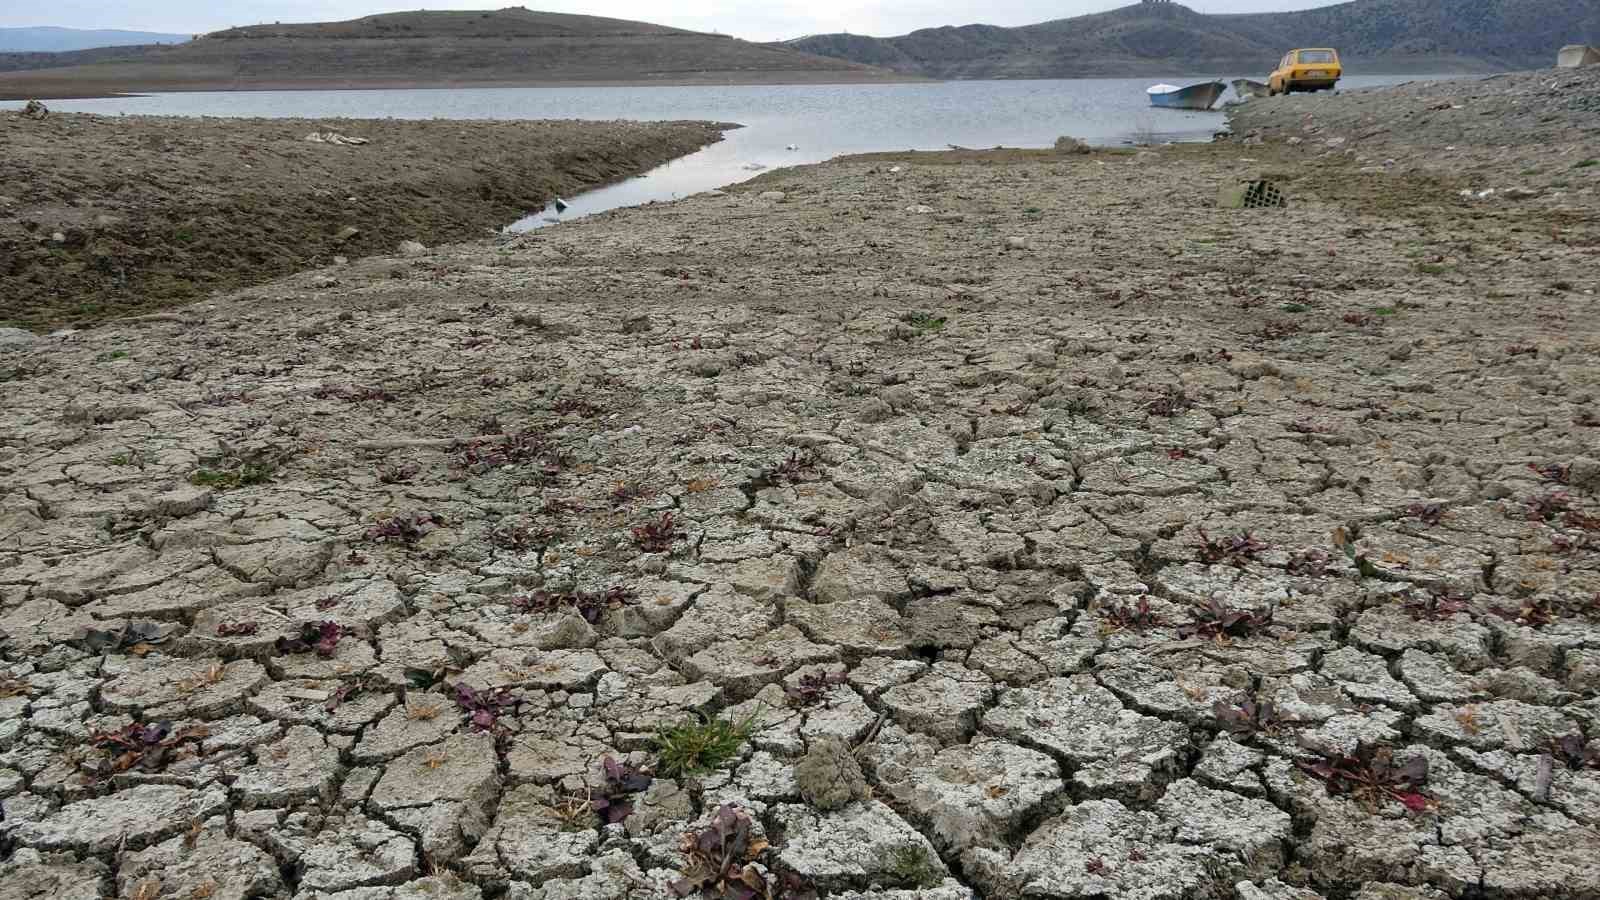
(1195, 96)
(1244, 87)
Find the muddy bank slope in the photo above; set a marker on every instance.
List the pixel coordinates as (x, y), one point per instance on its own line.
(1533, 128)
(105, 216)
(1081, 538)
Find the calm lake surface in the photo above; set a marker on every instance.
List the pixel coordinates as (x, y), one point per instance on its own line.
(784, 124)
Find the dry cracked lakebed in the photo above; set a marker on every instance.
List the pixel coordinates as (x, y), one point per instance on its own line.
(1006, 526)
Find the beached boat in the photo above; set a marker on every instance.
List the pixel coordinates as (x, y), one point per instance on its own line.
(1246, 88)
(1576, 56)
(1195, 96)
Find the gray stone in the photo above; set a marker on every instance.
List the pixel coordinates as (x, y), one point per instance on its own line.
(443, 792)
(132, 818)
(300, 766)
(828, 776)
(1115, 751)
(862, 843)
(353, 852)
(1100, 848)
(945, 702)
(1252, 831)
(30, 875)
(980, 794)
(531, 840)
(1273, 889)
(425, 719)
(205, 864)
(15, 339)
(161, 687)
(741, 667)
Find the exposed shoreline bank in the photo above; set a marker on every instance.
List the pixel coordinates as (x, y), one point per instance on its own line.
(106, 216)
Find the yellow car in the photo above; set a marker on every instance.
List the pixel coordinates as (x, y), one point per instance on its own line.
(1306, 70)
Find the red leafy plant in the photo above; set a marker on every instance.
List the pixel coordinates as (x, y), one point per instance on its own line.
(1173, 400)
(321, 637)
(619, 782)
(1214, 619)
(812, 688)
(352, 394)
(147, 748)
(656, 536)
(487, 454)
(521, 536)
(799, 465)
(1429, 513)
(1249, 717)
(405, 529)
(390, 473)
(1553, 472)
(721, 857)
(1138, 617)
(1307, 426)
(1312, 562)
(1573, 753)
(574, 406)
(1545, 507)
(1531, 612)
(591, 605)
(1575, 519)
(484, 708)
(1234, 550)
(1371, 775)
(1438, 606)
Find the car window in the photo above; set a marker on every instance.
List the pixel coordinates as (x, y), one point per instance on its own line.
(1316, 56)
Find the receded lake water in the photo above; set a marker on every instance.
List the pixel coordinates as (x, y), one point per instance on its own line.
(784, 124)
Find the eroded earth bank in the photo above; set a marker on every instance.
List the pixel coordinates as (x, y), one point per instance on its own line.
(1037, 527)
(104, 216)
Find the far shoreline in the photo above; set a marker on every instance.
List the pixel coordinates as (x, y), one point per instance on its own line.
(7, 95)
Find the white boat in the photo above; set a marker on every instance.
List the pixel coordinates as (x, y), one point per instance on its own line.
(1195, 96)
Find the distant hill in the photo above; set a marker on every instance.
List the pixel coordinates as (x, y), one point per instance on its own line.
(426, 49)
(1155, 38)
(55, 40)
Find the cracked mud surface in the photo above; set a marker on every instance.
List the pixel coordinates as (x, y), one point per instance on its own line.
(978, 552)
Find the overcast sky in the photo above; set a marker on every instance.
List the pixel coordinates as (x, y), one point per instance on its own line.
(761, 20)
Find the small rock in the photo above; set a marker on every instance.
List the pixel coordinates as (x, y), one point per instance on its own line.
(58, 238)
(16, 338)
(829, 776)
(1016, 243)
(1400, 352)
(346, 233)
(772, 196)
(411, 248)
(1582, 471)
(919, 209)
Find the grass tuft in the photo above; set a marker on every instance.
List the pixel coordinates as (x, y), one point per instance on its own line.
(691, 747)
